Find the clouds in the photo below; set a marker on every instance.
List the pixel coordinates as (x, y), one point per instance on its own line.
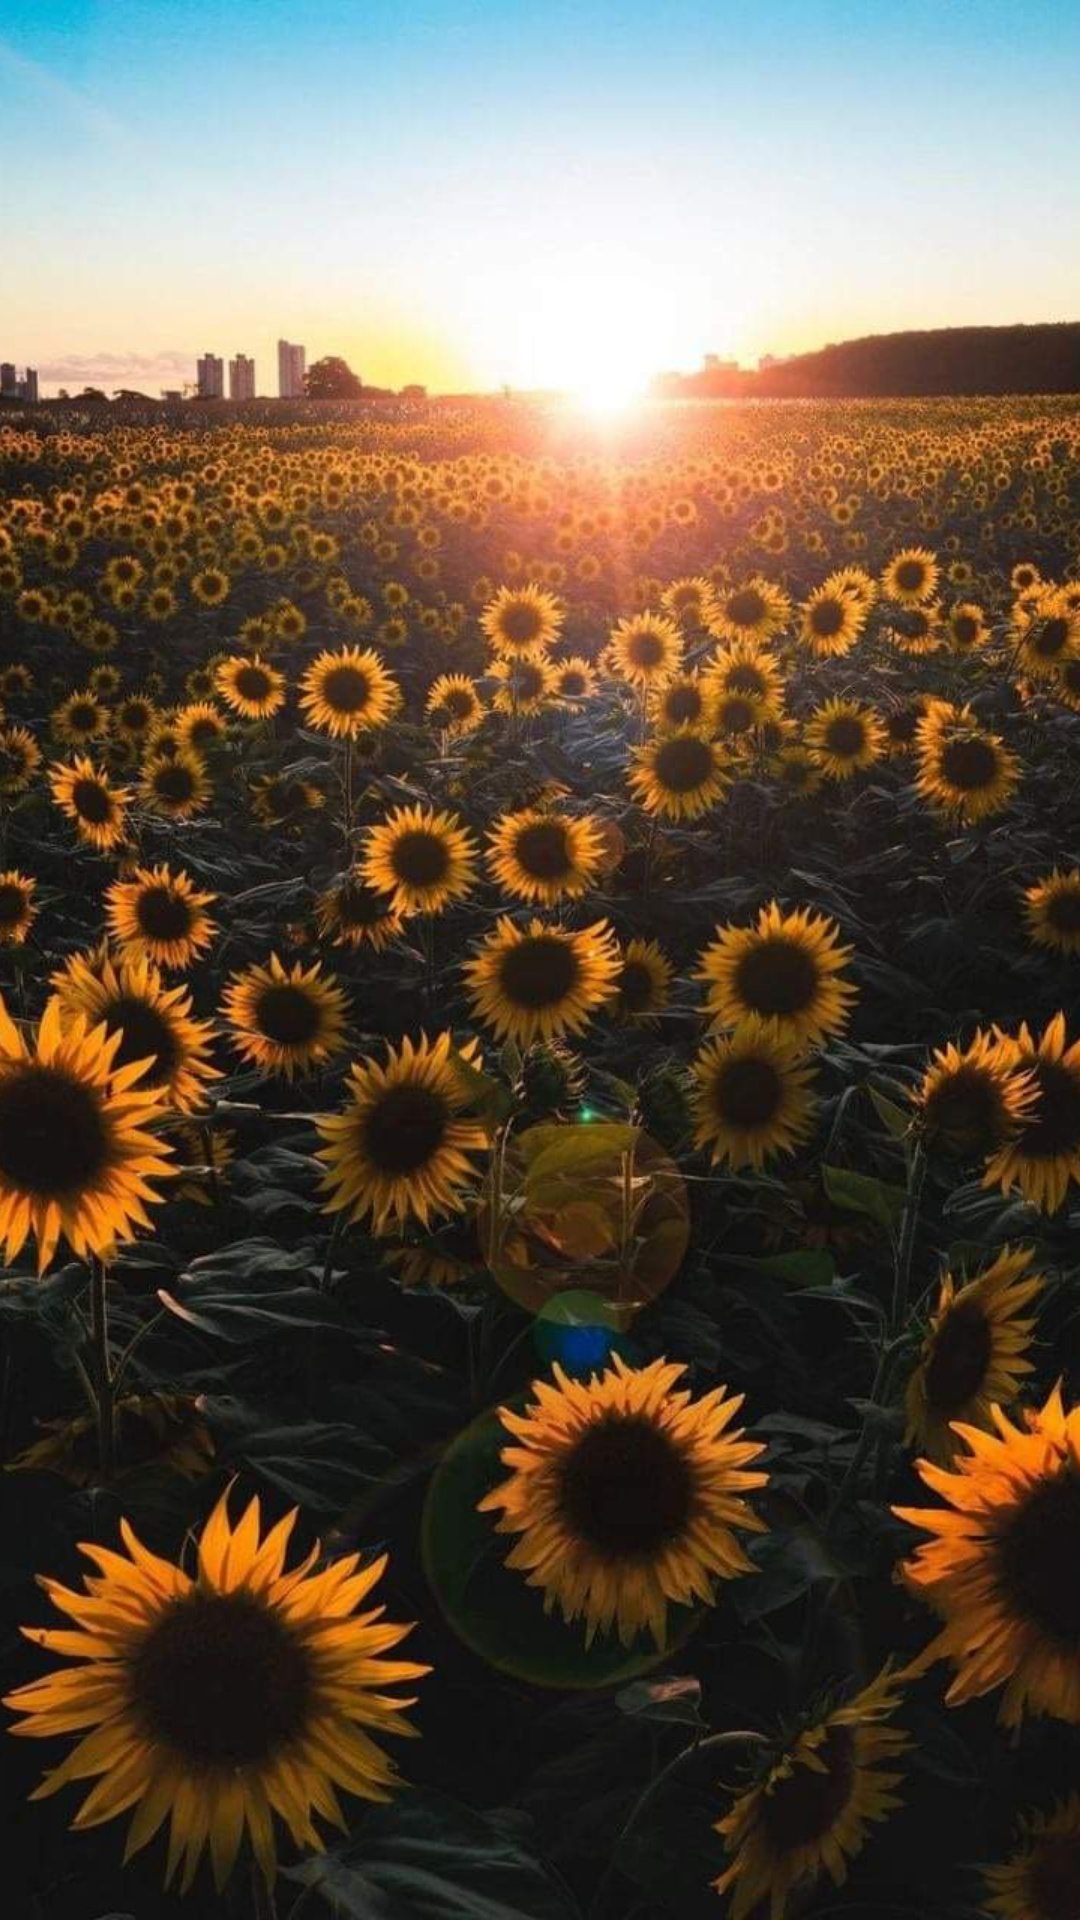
(169, 368)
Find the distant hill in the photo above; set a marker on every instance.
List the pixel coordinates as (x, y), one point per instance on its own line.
(946, 360)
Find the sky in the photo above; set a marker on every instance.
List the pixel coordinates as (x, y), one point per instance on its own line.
(575, 193)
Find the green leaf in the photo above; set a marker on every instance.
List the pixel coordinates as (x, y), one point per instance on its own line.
(809, 1267)
(894, 1118)
(580, 1147)
(861, 1193)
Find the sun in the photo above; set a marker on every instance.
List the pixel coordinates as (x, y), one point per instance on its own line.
(607, 391)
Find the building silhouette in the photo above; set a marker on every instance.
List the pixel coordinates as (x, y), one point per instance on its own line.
(242, 378)
(210, 374)
(292, 365)
(12, 388)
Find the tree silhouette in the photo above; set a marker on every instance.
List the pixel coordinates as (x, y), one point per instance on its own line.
(332, 379)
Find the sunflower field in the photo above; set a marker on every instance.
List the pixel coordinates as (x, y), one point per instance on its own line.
(540, 1163)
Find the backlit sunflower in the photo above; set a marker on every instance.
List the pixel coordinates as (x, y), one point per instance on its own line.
(154, 1022)
(1043, 1156)
(521, 621)
(1052, 909)
(1048, 635)
(1000, 1568)
(911, 577)
(540, 981)
(971, 1100)
(573, 679)
(844, 738)
(351, 914)
(17, 909)
(176, 786)
(745, 669)
(787, 967)
(645, 650)
(285, 1020)
(544, 857)
(686, 700)
(423, 860)
(20, 757)
(157, 914)
(644, 984)
(76, 1158)
(1039, 1880)
(154, 1429)
(280, 801)
(86, 796)
(752, 1095)
(679, 775)
(348, 692)
(199, 727)
(523, 685)
(454, 704)
(80, 720)
(626, 1494)
(796, 771)
(754, 610)
(405, 1147)
(830, 622)
(974, 1353)
(251, 688)
(966, 627)
(810, 1811)
(966, 771)
(220, 1698)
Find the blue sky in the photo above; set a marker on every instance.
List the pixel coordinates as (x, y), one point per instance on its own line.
(472, 193)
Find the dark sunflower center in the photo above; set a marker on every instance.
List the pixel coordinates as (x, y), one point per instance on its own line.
(252, 683)
(91, 802)
(910, 575)
(683, 704)
(625, 1488)
(746, 679)
(1055, 1124)
(1063, 911)
(83, 716)
(572, 682)
(222, 1681)
(804, 1807)
(966, 1111)
(521, 624)
(684, 764)
(288, 1014)
(746, 608)
(965, 629)
(1038, 1556)
(405, 1128)
(359, 906)
(459, 703)
(748, 1092)
(1051, 637)
(174, 783)
(636, 987)
(54, 1138)
(541, 850)
(346, 690)
(1054, 1877)
(958, 1360)
(420, 859)
(134, 717)
(969, 765)
(737, 715)
(540, 971)
(162, 914)
(827, 618)
(145, 1035)
(646, 649)
(846, 736)
(901, 726)
(13, 904)
(776, 977)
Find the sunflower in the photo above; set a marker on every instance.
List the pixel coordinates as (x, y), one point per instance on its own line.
(250, 687)
(348, 692)
(17, 909)
(81, 720)
(540, 981)
(644, 983)
(974, 1353)
(154, 1023)
(754, 610)
(351, 914)
(454, 704)
(752, 1095)
(20, 758)
(524, 685)
(625, 1493)
(86, 797)
(796, 771)
(966, 771)
(686, 700)
(971, 1100)
(911, 577)
(966, 627)
(199, 727)
(830, 622)
(574, 679)
(786, 968)
(1039, 1880)
(278, 801)
(1049, 635)
(159, 915)
(544, 857)
(1043, 1156)
(745, 669)
(810, 1811)
(218, 1699)
(845, 738)
(1000, 1567)
(679, 775)
(404, 1147)
(285, 1021)
(154, 1429)
(75, 1156)
(645, 650)
(210, 587)
(134, 719)
(1052, 908)
(521, 621)
(422, 859)
(175, 785)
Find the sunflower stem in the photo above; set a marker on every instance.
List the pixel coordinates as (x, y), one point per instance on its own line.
(906, 1246)
(101, 1371)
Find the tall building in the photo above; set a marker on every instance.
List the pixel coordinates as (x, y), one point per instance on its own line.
(291, 367)
(29, 386)
(210, 371)
(241, 378)
(8, 381)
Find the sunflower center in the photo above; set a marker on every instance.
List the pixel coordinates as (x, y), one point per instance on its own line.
(966, 1110)
(521, 624)
(1055, 1124)
(252, 683)
(83, 716)
(776, 977)
(827, 619)
(54, 1138)
(420, 859)
(910, 575)
(1052, 637)
(646, 649)
(174, 782)
(222, 1680)
(572, 682)
(1053, 1877)
(346, 689)
(746, 608)
(845, 735)
(683, 704)
(459, 703)
(684, 764)
(13, 904)
(1039, 1558)
(91, 802)
(805, 1806)
(959, 1358)
(405, 1127)
(746, 679)
(965, 629)
(162, 914)
(540, 971)
(738, 714)
(970, 765)
(901, 726)
(625, 1488)
(358, 905)
(288, 1014)
(748, 1092)
(145, 1035)
(1063, 911)
(542, 851)
(636, 986)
